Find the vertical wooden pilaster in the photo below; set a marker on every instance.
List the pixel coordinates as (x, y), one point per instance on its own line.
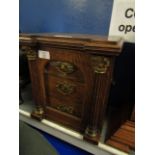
(31, 54)
(101, 66)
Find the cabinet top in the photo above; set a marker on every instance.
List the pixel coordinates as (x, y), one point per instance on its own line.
(92, 43)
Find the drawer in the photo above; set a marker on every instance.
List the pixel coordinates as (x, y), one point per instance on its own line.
(71, 108)
(64, 69)
(64, 119)
(64, 89)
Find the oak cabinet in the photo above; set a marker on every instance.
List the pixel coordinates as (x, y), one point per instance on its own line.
(71, 76)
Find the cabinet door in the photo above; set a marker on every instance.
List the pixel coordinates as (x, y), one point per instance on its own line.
(66, 87)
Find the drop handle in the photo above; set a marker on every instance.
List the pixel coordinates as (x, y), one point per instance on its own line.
(65, 88)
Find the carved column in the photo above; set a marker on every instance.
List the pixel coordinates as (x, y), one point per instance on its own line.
(101, 67)
(31, 54)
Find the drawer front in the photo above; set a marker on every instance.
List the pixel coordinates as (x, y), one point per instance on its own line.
(64, 69)
(70, 108)
(64, 89)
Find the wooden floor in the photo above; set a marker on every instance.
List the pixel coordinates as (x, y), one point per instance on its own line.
(124, 137)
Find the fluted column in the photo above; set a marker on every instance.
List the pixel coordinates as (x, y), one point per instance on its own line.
(31, 54)
(100, 90)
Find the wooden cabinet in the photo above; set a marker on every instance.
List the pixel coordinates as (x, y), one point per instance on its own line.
(71, 77)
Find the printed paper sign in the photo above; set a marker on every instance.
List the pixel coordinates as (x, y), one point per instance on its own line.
(123, 20)
(43, 54)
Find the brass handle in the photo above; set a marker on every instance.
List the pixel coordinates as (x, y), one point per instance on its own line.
(66, 67)
(65, 88)
(64, 108)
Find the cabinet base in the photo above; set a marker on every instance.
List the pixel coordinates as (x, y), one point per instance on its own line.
(36, 116)
(93, 140)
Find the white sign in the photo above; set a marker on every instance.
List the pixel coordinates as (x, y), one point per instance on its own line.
(123, 20)
(43, 54)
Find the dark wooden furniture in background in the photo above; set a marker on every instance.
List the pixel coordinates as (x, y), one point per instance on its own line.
(120, 111)
(71, 77)
(124, 137)
(24, 77)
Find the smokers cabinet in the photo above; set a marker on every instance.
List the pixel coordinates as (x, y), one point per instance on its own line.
(71, 75)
